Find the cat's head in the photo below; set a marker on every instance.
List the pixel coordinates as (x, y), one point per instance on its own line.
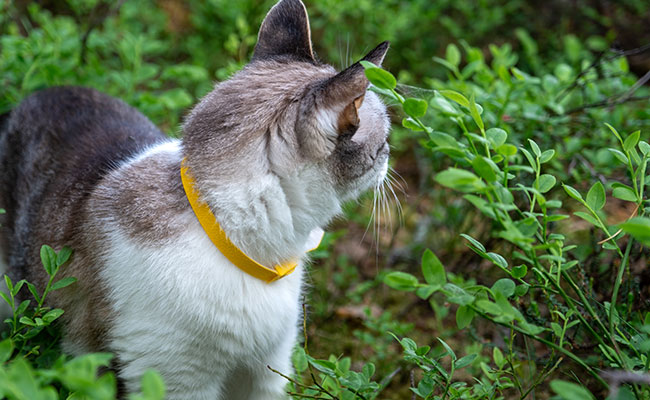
(288, 116)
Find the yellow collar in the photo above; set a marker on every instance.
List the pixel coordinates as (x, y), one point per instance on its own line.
(228, 249)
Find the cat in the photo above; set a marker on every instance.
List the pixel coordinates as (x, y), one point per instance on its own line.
(271, 154)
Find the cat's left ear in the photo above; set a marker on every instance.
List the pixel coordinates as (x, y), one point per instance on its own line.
(285, 32)
(344, 92)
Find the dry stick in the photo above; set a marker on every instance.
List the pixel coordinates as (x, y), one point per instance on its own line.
(598, 60)
(616, 377)
(412, 378)
(606, 103)
(636, 209)
(618, 99)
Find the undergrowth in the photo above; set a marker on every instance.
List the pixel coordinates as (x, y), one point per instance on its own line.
(519, 266)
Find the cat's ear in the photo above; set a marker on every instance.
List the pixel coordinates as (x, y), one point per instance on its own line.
(345, 91)
(285, 32)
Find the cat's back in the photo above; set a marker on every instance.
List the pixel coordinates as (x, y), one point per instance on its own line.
(54, 149)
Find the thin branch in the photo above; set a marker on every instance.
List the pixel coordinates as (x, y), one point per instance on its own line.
(606, 103)
(616, 377)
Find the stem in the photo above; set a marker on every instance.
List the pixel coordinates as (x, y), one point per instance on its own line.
(612, 304)
(550, 344)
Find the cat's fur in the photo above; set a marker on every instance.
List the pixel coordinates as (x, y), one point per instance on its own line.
(274, 150)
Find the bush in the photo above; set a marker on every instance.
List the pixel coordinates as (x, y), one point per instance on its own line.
(525, 152)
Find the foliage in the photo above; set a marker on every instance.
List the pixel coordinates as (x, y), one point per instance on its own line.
(32, 366)
(538, 297)
(525, 151)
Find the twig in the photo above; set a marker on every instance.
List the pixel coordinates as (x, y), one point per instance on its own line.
(412, 378)
(606, 103)
(599, 59)
(642, 81)
(616, 377)
(636, 209)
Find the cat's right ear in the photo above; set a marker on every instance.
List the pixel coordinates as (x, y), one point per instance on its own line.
(285, 32)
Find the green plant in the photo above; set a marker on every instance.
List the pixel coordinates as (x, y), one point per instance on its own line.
(31, 364)
(493, 175)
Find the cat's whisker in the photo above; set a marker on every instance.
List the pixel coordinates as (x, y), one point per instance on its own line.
(398, 180)
(398, 204)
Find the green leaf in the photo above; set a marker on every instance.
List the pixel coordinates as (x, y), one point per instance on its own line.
(624, 193)
(63, 256)
(570, 391)
(401, 281)
(415, 108)
(474, 242)
(10, 285)
(52, 315)
(504, 286)
(535, 148)
(498, 358)
(410, 123)
(615, 132)
(22, 307)
(530, 158)
(572, 192)
(465, 361)
(455, 96)
(379, 77)
(299, 359)
(498, 260)
(476, 115)
(484, 169)
(644, 147)
(449, 350)
(639, 228)
(546, 156)
(545, 182)
(596, 196)
(63, 283)
(619, 155)
(153, 387)
(32, 290)
(488, 306)
(6, 299)
(453, 55)
(631, 141)
(444, 140)
(587, 217)
(6, 349)
(27, 321)
(496, 136)
(48, 258)
(464, 316)
(519, 271)
(433, 270)
(507, 150)
(460, 179)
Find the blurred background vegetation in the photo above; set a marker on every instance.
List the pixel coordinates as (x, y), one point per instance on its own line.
(582, 63)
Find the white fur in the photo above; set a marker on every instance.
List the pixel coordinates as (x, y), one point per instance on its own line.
(181, 307)
(184, 309)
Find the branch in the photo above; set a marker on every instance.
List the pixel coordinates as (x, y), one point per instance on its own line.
(606, 103)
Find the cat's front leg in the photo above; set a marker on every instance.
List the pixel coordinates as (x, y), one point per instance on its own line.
(267, 384)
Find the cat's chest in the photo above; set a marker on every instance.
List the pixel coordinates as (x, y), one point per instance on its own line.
(188, 284)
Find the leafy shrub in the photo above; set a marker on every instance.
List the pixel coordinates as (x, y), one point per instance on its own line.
(31, 365)
(540, 296)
